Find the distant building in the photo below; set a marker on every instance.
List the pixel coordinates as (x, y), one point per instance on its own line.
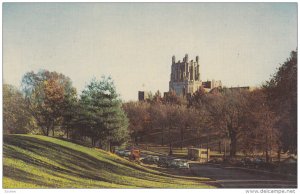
(185, 80)
(185, 77)
(248, 88)
(238, 89)
(143, 95)
(209, 85)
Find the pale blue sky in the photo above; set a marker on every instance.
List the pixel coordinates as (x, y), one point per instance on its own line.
(237, 43)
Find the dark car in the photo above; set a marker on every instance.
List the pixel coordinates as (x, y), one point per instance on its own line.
(150, 159)
(164, 161)
(120, 152)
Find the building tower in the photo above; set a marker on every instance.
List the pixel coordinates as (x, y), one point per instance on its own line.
(185, 76)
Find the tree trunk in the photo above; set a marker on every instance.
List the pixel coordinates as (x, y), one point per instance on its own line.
(109, 146)
(207, 154)
(170, 142)
(181, 138)
(170, 149)
(220, 148)
(162, 138)
(93, 142)
(267, 156)
(224, 149)
(266, 150)
(67, 133)
(233, 142)
(279, 154)
(135, 139)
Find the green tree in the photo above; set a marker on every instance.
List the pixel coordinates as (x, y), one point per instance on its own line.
(70, 107)
(282, 95)
(102, 114)
(46, 95)
(16, 118)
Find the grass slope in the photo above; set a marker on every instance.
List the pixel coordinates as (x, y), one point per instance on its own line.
(32, 161)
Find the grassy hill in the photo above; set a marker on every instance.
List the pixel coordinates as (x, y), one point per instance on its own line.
(32, 161)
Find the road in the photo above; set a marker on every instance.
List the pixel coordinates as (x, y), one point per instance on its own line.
(228, 177)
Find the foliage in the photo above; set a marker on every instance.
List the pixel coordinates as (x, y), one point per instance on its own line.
(282, 95)
(16, 118)
(139, 119)
(172, 98)
(46, 95)
(101, 116)
(259, 132)
(28, 164)
(198, 98)
(227, 114)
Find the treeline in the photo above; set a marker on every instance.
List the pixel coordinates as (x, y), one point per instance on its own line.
(48, 104)
(262, 120)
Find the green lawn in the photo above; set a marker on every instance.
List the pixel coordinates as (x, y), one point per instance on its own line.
(32, 161)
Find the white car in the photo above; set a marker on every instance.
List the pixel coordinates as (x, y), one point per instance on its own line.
(127, 153)
(179, 163)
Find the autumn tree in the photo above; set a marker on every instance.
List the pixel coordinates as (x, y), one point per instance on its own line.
(227, 114)
(157, 98)
(172, 98)
(46, 95)
(198, 99)
(156, 125)
(259, 131)
(16, 118)
(139, 119)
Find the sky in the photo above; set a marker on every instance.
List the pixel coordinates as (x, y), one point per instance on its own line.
(240, 44)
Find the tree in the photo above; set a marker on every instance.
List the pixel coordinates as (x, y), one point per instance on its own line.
(157, 97)
(227, 115)
(172, 98)
(16, 118)
(282, 95)
(259, 132)
(46, 95)
(70, 107)
(139, 118)
(198, 99)
(102, 116)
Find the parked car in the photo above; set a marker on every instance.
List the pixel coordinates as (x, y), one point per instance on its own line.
(120, 152)
(150, 159)
(179, 163)
(164, 161)
(247, 161)
(127, 153)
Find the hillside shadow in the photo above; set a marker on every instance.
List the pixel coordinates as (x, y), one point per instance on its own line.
(23, 176)
(69, 161)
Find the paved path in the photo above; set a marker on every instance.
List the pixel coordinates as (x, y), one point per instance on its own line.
(239, 178)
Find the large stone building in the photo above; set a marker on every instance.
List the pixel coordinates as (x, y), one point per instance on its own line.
(185, 77)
